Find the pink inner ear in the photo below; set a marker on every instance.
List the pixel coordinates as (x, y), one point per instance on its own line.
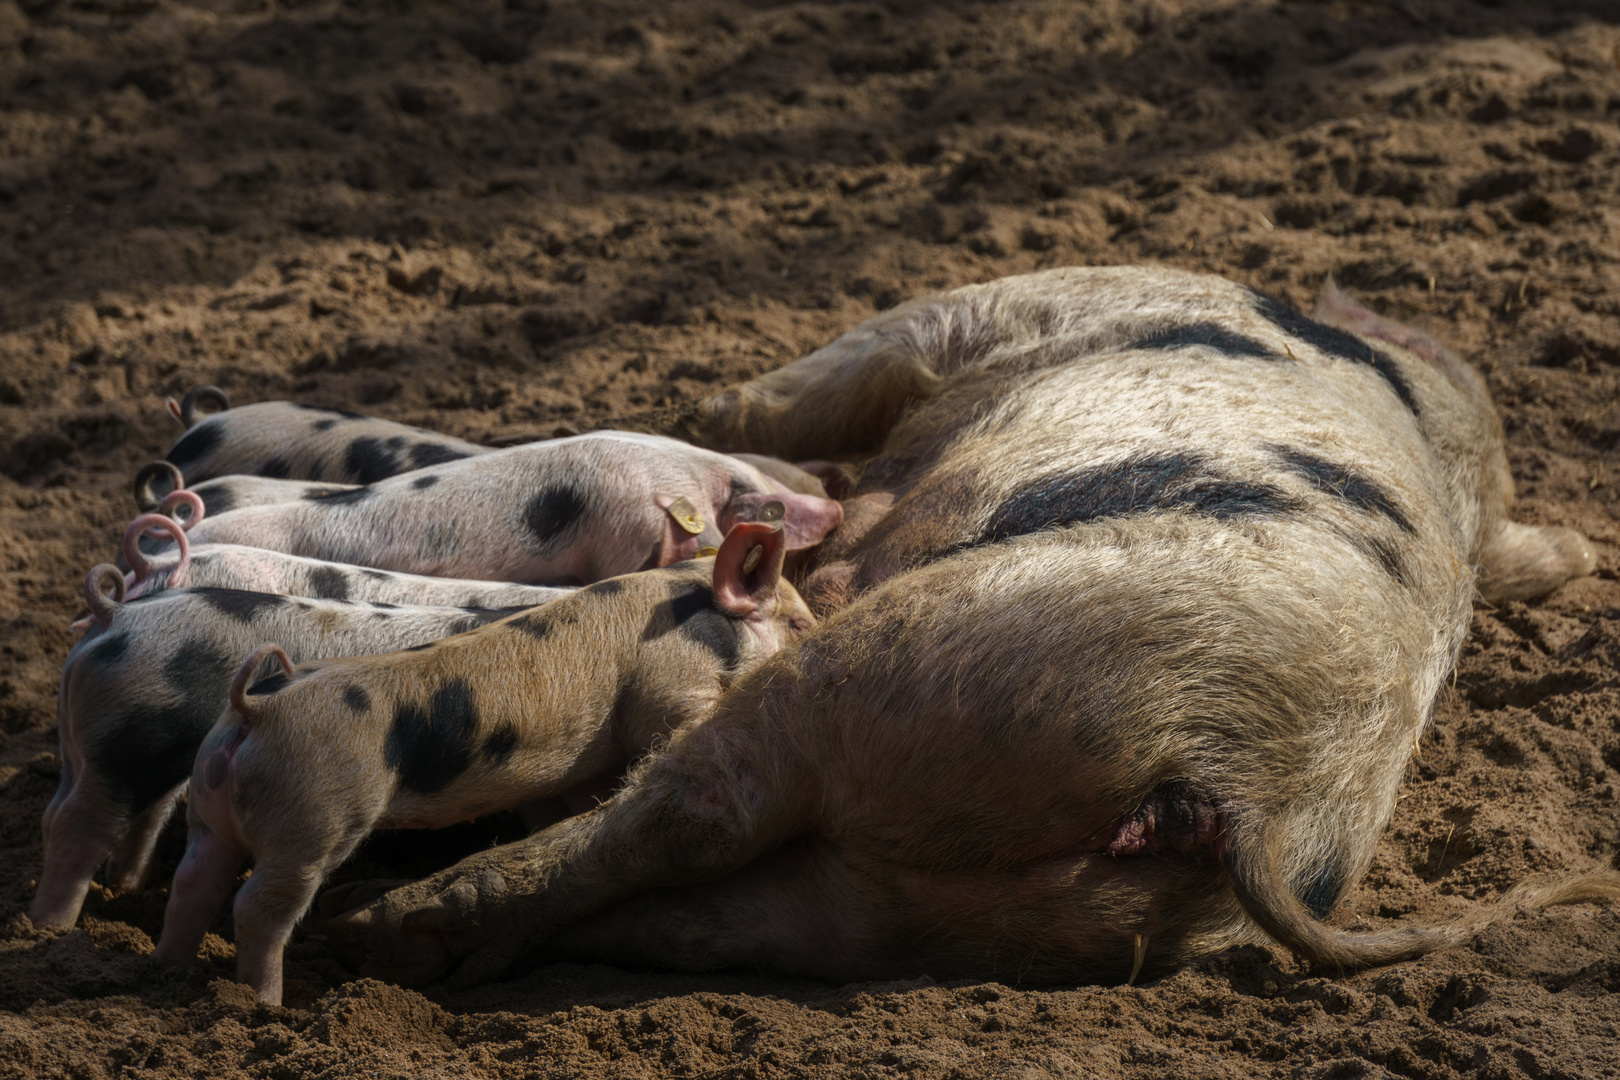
(741, 592)
(808, 520)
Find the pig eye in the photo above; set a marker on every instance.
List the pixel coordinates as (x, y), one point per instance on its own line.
(800, 625)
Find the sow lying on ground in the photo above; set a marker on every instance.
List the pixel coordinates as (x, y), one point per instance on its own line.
(1131, 630)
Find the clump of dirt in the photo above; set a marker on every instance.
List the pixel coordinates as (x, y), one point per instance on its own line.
(494, 218)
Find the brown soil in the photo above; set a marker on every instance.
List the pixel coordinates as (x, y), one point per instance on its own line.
(488, 219)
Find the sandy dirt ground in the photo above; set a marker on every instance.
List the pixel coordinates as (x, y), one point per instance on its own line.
(490, 219)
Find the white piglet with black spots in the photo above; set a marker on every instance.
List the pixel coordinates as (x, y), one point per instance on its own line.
(568, 511)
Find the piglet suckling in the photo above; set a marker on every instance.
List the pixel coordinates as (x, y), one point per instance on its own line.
(540, 704)
(568, 511)
(157, 480)
(300, 442)
(237, 566)
(143, 687)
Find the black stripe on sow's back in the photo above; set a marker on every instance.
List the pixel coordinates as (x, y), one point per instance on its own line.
(1146, 483)
(1335, 342)
(1209, 335)
(1344, 483)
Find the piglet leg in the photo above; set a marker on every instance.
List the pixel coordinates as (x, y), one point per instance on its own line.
(132, 857)
(201, 886)
(79, 832)
(719, 796)
(267, 908)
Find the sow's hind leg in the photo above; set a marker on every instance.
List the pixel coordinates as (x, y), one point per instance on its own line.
(1517, 562)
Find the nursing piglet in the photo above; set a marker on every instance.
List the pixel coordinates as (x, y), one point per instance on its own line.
(537, 705)
(156, 481)
(567, 511)
(282, 440)
(142, 688)
(237, 566)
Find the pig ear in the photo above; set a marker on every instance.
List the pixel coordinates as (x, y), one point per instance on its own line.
(748, 567)
(805, 519)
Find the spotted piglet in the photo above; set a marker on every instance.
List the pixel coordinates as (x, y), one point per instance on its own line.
(142, 688)
(157, 481)
(569, 511)
(300, 442)
(540, 704)
(238, 566)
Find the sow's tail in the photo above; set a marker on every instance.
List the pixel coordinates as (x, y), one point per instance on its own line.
(1246, 853)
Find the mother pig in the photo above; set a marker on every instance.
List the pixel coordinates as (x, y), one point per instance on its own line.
(1138, 614)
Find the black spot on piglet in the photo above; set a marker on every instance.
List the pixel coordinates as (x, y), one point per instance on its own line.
(194, 663)
(691, 613)
(368, 461)
(553, 511)
(329, 583)
(356, 698)
(270, 684)
(197, 444)
(430, 747)
(501, 742)
(217, 499)
(338, 496)
(239, 604)
(425, 454)
(108, 650)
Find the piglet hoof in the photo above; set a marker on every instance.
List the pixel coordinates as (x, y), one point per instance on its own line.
(453, 924)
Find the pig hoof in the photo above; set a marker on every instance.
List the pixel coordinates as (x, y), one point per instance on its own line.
(1525, 561)
(340, 899)
(428, 929)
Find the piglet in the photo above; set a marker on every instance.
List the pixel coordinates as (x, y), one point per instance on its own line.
(567, 511)
(237, 566)
(157, 480)
(542, 703)
(282, 440)
(142, 688)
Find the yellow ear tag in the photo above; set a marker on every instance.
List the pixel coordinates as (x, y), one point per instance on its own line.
(686, 515)
(751, 560)
(771, 511)
(705, 552)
